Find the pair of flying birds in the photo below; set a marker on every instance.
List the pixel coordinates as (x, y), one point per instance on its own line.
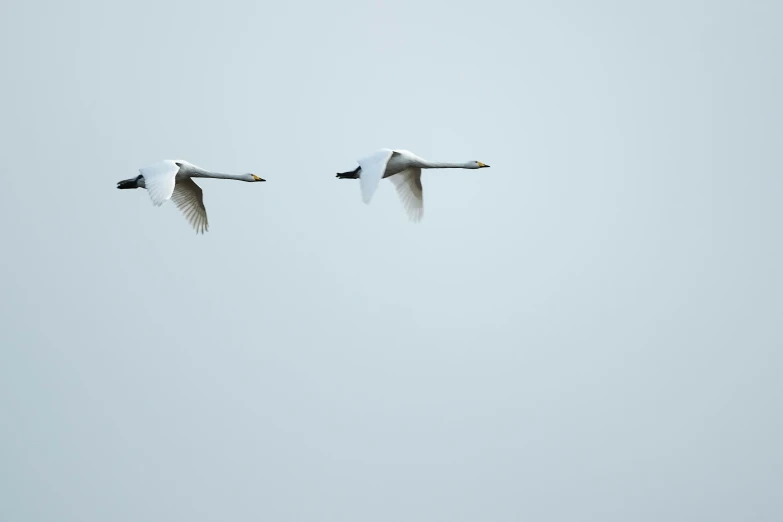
(170, 179)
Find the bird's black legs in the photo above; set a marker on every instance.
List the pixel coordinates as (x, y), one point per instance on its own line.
(129, 183)
(354, 174)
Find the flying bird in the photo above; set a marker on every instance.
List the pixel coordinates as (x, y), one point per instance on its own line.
(172, 179)
(403, 168)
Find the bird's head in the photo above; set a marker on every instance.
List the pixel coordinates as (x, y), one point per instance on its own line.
(479, 165)
(253, 177)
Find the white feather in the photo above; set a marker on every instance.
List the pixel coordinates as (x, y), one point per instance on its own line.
(408, 185)
(160, 180)
(373, 168)
(189, 199)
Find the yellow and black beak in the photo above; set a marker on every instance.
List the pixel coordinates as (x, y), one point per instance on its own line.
(483, 165)
(257, 178)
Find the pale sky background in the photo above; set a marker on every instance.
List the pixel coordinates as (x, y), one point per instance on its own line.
(589, 330)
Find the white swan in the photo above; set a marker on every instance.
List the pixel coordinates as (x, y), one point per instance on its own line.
(404, 169)
(171, 179)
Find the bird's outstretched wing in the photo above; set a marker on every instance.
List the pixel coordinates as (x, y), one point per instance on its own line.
(408, 185)
(373, 167)
(159, 179)
(190, 201)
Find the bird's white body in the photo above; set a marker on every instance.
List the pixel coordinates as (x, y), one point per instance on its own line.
(172, 179)
(404, 170)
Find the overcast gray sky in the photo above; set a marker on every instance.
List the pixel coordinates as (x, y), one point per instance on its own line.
(589, 330)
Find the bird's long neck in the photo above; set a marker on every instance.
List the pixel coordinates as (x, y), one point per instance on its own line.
(201, 173)
(443, 165)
